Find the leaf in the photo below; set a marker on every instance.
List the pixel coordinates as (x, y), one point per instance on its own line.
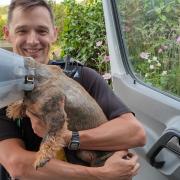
(158, 10)
(163, 18)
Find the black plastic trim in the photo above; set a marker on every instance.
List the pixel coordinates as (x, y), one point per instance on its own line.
(159, 145)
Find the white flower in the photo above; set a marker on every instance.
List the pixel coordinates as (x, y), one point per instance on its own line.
(159, 64)
(99, 43)
(149, 61)
(107, 76)
(164, 73)
(146, 75)
(144, 55)
(154, 58)
(151, 67)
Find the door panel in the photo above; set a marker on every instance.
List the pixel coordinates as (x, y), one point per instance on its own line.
(157, 112)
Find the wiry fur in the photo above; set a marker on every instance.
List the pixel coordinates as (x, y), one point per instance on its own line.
(59, 101)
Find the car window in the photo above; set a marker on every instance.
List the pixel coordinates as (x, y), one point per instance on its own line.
(151, 33)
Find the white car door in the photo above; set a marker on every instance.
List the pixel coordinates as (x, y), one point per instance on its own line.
(144, 46)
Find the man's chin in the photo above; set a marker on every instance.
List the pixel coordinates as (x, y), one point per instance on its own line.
(38, 58)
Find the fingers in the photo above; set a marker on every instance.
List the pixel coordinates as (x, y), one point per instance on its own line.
(121, 154)
(135, 170)
(132, 157)
(123, 164)
(132, 160)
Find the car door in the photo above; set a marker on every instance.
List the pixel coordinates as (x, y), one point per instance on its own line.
(144, 46)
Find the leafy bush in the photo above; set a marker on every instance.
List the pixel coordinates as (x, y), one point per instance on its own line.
(84, 36)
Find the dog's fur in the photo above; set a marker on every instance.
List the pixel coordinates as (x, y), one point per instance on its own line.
(61, 103)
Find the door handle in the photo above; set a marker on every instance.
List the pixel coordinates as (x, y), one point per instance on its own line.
(170, 140)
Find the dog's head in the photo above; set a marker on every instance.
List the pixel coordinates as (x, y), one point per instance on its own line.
(44, 100)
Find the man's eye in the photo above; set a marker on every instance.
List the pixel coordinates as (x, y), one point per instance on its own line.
(42, 32)
(21, 31)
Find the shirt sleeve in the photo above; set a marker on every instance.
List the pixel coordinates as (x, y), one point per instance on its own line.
(8, 128)
(98, 88)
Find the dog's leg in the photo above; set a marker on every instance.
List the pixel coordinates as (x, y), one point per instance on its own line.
(15, 110)
(53, 141)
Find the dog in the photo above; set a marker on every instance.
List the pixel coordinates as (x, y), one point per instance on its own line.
(61, 103)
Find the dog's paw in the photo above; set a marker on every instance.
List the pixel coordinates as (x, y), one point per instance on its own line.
(41, 162)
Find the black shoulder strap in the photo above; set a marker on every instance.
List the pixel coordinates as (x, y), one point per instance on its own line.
(71, 67)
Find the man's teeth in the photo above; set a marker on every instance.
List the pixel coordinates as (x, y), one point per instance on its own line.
(32, 51)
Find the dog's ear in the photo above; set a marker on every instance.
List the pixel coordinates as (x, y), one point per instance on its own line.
(15, 110)
(55, 69)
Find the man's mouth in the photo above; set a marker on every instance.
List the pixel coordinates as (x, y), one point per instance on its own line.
(32, 52)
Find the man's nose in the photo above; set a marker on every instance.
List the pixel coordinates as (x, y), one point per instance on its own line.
(32, 38)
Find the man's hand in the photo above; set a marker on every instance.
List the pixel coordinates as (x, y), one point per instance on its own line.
(121, 166)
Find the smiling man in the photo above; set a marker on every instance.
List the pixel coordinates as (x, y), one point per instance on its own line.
(31, 31)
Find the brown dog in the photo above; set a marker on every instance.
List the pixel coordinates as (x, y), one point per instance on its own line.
(58, 101)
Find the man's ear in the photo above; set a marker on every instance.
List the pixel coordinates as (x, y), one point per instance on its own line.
(6, 33)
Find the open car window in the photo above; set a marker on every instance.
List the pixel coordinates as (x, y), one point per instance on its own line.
(151, 34)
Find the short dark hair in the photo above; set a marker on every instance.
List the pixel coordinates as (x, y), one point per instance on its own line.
(27, 4)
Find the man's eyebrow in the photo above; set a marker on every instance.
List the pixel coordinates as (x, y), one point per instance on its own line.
(21, 27)
(46, 28)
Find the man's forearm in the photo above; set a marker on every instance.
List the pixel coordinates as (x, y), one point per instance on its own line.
(124, 132)
(115, 168)
(19, 163)
(59, 170)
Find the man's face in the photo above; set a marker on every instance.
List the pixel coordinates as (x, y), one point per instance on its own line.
(31, 33)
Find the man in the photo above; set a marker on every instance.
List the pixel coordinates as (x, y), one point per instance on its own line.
(31, 32)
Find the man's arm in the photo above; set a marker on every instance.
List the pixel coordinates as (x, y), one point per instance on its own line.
(123, 132)
(19, 163)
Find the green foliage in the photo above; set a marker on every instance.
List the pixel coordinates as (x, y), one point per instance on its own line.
(59, 14)
(171, 82)
(3, 15)
(2, 24)
(84, 36)
(152, 33)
